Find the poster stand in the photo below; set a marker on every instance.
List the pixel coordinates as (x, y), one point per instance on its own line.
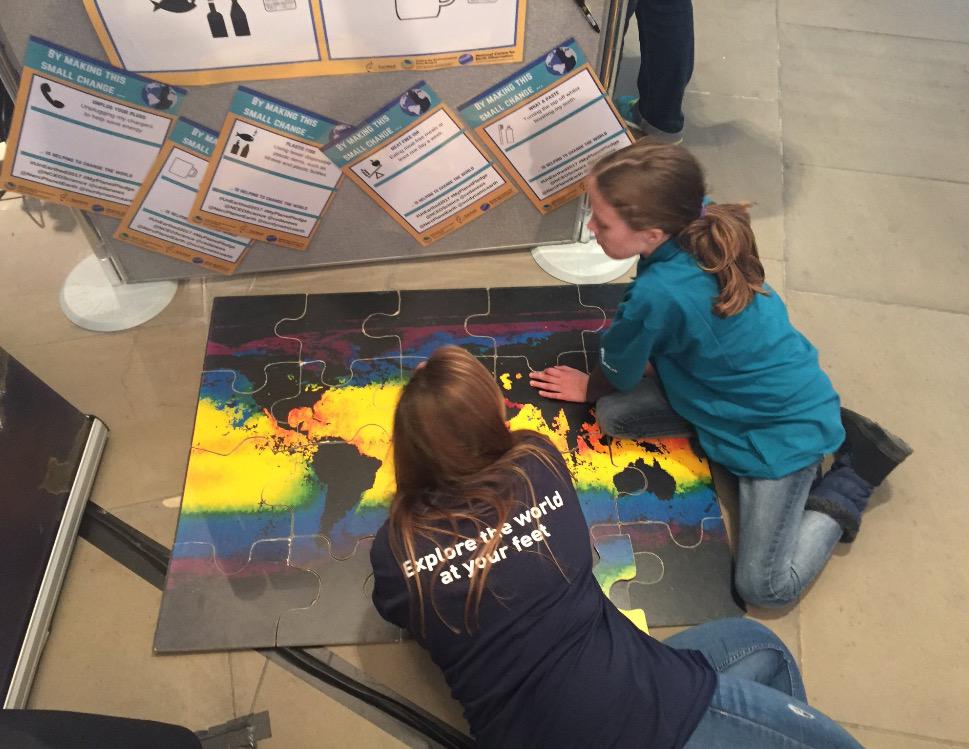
(582, 261)
(94, 298)
(374, 237)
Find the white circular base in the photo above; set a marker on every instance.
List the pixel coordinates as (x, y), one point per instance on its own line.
(91, 302)
(580, 262)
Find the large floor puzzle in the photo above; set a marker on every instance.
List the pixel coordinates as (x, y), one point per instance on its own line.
(290, 473)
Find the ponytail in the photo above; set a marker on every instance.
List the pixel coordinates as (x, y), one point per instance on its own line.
(653, 185)
(723, 244)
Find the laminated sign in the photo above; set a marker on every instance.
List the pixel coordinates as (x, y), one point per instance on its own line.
(85, 134)
(548, 124)
(195, 42)
(158, 219)
(269, 178)
(420, 164)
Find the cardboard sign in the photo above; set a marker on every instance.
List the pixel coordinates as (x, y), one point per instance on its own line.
(158, 219)
(196, 43)
(416, 160)
(548, 124)
(269, 178)
(192, 42)
(85, 134)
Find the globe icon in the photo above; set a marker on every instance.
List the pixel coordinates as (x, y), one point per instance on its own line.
(560, 61)
(159, 96)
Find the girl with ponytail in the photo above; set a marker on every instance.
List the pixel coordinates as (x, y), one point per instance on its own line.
(701, 339)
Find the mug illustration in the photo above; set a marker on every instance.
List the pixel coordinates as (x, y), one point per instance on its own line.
(409, 10)
(181, 168)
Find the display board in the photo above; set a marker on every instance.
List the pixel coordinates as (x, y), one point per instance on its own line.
(356, 229)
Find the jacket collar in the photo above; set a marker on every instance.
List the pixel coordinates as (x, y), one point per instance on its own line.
(666, 251)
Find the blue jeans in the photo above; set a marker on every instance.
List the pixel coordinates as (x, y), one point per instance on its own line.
(666, 59)
(759, 702)
(640, 412)
(782, 547)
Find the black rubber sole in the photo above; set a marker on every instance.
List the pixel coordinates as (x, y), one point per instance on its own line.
(891, 446)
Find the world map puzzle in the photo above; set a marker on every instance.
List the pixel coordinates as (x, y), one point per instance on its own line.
(290, 473)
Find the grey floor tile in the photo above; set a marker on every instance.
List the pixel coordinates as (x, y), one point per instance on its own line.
(738, 141)
(300, 714)
(742, 62)
(407, 669)
(892, 239)
(775, 272)
(156, 518)
(929, 19)
(98, 658)
(882, 635)
(876, 103)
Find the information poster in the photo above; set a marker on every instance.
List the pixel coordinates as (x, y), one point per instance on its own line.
(271, 180)
(84, 134)
(548, 124)
(194, 43)
(364, 36)
(158, 218)
(417, 161)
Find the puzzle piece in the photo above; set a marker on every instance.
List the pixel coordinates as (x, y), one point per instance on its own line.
(616, 566)
(650, 570)
(538, 323)
(331, 335)
(343, 608)
(696, 580)
(249, 601)
(244, 344)
(426, 320)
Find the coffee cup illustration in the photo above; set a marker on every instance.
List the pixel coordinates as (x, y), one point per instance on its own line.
(409, 10)
(181, 168)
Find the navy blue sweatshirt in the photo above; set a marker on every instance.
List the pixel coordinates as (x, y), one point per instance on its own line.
(551, 662)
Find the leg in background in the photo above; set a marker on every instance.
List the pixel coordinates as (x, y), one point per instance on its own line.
(744, 649)
(759, 700)
(782, 547)
(743, 713)
(666, 63)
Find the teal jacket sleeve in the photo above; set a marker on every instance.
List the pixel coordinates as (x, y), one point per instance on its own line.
(646, 319)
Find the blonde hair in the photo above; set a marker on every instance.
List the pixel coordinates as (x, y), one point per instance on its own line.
(660, 186)
(455, 460)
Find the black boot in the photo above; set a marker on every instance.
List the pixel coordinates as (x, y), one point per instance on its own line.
(874, 451)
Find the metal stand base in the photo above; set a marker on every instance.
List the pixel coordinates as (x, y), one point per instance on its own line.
(92, 302)
(580, 262)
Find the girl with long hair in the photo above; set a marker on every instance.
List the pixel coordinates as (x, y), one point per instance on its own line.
(486, 558)
(700, 318)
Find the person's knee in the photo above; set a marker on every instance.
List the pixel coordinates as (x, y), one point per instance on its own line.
(608, 416)
(758, 588)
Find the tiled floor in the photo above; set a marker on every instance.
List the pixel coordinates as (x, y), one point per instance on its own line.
(845, 122)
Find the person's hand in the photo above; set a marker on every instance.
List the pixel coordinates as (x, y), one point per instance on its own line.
(561, 383)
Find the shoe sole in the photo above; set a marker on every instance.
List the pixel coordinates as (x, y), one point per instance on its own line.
(891, 446)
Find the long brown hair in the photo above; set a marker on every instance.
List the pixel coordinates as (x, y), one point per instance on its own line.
(653, 185)
(456, 460)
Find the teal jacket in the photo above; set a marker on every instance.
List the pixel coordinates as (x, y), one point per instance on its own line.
(750, 383)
